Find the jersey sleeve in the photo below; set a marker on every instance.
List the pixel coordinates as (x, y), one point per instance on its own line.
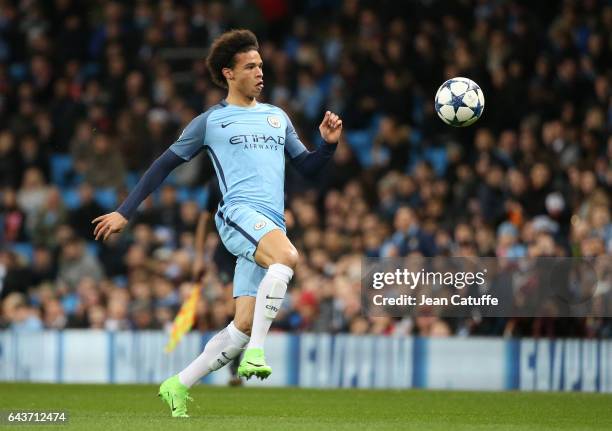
(154, 176)
(293, 145)
(191, 141)
(308, 163)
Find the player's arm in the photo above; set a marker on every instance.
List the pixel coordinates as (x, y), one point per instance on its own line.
(115, 222)
(310, 163)
(188, 145)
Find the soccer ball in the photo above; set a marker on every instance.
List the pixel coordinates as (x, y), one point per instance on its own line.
(459, 102)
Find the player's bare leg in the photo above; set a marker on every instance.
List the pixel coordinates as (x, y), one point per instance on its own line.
(276, 253)
(243, 316)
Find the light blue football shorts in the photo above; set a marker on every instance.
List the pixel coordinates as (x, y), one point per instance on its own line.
(241, 228)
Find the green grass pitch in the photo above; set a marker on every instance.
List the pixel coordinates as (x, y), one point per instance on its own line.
(136, 407)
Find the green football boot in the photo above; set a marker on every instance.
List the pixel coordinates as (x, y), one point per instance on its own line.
(254, 364)
(175, 394)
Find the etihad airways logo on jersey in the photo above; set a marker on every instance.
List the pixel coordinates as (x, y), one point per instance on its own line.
(258, 141)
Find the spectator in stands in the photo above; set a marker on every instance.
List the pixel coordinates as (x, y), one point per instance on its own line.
(80, 217)
(49, 218)
(44, 266)
(12, 219)
(81, 145)
(117, 316)
(104, 165)
(168, 209)
(32, 195)
(75, 264)
(408, 237)
(53, 314)
(33, 156)
(391, 148)
(142, 316)
(14, 274)
(10, 169)
(22, 317)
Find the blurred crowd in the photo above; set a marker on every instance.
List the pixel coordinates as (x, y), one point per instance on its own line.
(92, 92)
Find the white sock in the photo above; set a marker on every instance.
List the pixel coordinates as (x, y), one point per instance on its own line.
(261, 323)
(220, 350)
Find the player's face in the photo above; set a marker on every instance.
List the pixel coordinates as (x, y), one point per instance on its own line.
(248, 73)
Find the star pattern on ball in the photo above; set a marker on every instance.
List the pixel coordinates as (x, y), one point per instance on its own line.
(459, 102)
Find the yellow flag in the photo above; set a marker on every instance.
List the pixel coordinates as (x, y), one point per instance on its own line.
(184, 319)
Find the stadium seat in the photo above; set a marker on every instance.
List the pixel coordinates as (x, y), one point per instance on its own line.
(18, 71)
(200, 195)
(93, 248)
(418, 110)
(71, 198)
(61, 166)
(91, 70)
(121, 281)
(170, 179)
(361, 143)
(437, 157)
(416, 137)
(70, 302)
(23, 249)
(183, 194)
(131, 179)
(106, 198)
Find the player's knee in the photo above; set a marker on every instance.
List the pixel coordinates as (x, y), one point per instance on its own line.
(243, 324)
(288, 256)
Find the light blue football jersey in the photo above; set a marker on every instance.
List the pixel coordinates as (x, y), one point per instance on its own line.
(247, 147)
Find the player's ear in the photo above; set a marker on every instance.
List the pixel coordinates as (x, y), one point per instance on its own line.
(227, 73)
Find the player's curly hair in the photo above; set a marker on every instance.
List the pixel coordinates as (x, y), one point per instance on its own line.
(224, 49)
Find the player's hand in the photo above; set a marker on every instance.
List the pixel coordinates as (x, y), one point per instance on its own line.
(331, 128)
(108, 224)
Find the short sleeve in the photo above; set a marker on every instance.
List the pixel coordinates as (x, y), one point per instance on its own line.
(191, 140)
(293, 145)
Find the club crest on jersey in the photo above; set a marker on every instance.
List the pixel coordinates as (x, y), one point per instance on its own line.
(274, 121)
(259, 225)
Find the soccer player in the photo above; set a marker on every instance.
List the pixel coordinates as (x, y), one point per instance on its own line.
(247, 142)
